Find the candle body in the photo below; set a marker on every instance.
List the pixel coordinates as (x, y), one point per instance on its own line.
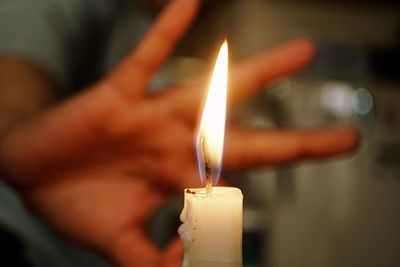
(212, 228)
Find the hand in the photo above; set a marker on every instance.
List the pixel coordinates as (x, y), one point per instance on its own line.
(97, 166)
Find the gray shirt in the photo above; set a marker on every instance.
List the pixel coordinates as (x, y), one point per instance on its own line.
(75, 41)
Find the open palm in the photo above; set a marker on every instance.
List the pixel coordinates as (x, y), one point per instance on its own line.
(97, 166)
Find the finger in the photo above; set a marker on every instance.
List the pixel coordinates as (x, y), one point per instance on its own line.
(255, 72)
(248, 76)
(134, 73)
(253, 148)
(173, 255)
(131, 248)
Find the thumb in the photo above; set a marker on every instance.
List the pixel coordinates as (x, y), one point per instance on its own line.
(138, 68)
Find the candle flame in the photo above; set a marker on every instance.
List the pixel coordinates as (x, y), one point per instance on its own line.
(210, 138)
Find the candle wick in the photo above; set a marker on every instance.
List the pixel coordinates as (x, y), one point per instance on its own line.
(207, 165)
(209, 189)
(208, 179)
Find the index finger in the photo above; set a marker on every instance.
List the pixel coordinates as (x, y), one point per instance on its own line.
(249, 76)
(252, 74)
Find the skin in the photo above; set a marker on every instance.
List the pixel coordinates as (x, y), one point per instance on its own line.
(96, 166)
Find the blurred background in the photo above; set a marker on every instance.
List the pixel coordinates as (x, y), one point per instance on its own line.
(340, 212)
(337, 212)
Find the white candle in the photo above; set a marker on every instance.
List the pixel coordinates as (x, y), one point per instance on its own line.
(212, 216)
(212, 228)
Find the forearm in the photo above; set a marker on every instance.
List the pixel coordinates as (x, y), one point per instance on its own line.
(25, 91)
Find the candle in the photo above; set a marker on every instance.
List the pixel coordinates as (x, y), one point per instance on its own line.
(212, 228)
(212, 216)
